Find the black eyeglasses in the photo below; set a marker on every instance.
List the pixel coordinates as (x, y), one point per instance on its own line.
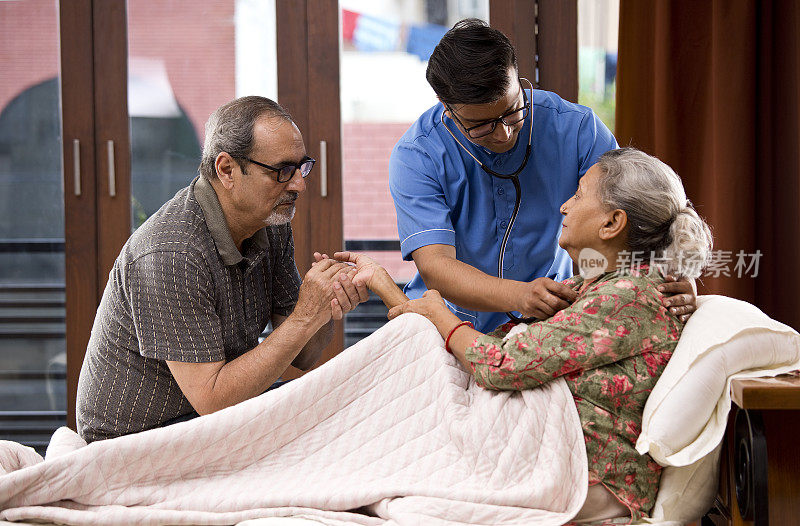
(286, 172)
(509, 118)
(513, 176)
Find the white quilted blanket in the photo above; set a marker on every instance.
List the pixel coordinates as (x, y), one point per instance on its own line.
(392, 430)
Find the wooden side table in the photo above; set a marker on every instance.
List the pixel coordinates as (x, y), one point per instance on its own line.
(760, 467)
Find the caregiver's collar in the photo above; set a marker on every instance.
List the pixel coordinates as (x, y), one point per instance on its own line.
(218, 226)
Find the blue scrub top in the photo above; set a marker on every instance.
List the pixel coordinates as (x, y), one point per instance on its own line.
(442, 196)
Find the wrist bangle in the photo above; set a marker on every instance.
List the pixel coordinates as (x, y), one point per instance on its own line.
(450, 335)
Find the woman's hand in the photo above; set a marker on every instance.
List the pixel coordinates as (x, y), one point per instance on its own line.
(365, 266)
(367, 273)
(680, 297)
(431, 305)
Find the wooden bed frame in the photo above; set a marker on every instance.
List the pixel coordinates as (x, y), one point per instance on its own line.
(760, 466)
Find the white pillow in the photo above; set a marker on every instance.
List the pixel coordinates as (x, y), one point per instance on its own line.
(686, 493)
(686, 414)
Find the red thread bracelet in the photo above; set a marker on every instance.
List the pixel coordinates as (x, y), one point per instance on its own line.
(447, 341)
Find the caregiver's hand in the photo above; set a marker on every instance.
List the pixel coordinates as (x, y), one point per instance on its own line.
(543, 297)
(431, 305)
(680, 296)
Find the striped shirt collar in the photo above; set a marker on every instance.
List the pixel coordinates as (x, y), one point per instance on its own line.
(217, 225)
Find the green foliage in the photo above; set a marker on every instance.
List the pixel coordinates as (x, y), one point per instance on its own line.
(603, 105)
(138, 212)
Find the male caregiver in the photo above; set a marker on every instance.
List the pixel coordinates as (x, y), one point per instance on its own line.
(177, 331)
(478, 179)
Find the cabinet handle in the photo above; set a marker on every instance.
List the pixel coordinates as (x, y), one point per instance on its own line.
(323, 168)
(112, 177)
(76, 165)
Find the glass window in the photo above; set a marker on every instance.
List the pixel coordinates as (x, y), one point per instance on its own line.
(32, 344)
(598, 29)
(385, 50)
(186, 58)
(384, 54)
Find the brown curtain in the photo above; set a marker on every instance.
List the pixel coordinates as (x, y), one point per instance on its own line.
(713, 89)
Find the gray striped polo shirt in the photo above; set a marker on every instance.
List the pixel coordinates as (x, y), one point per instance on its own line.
(180, 290)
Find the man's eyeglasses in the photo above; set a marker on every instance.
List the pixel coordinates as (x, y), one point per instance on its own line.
(509, 118)
(286, 172)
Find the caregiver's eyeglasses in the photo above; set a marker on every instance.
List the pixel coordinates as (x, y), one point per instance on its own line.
(509, 118)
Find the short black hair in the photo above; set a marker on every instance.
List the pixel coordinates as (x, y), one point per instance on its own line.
(470, 64)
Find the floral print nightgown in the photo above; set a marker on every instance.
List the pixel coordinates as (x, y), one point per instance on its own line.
(611, 345)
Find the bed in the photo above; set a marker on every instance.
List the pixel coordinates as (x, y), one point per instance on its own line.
(427, 447)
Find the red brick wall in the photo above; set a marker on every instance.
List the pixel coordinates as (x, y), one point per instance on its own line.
(28, 46)
(369, 211)
(198, 52)
(368, 208)
(196, 42)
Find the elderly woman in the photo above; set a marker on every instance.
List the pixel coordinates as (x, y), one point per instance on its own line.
(613, 342)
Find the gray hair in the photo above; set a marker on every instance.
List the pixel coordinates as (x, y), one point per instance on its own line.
(230, 129)
(662, 222)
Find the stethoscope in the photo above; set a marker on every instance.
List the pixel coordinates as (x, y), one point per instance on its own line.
(517, 188)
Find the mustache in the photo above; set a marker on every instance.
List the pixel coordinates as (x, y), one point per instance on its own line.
(290, 198)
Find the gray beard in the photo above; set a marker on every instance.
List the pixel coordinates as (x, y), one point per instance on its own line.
(280, 218)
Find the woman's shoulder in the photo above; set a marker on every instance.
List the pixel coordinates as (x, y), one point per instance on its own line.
(631, 294)
(634, 284)
(573, 282)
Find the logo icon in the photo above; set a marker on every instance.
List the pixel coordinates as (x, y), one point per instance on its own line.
(591, 263)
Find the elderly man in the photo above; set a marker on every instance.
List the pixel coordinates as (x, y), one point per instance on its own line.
(177, 331)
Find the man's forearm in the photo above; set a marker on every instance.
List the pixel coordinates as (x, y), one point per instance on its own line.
(253, 372)
(312, 351)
